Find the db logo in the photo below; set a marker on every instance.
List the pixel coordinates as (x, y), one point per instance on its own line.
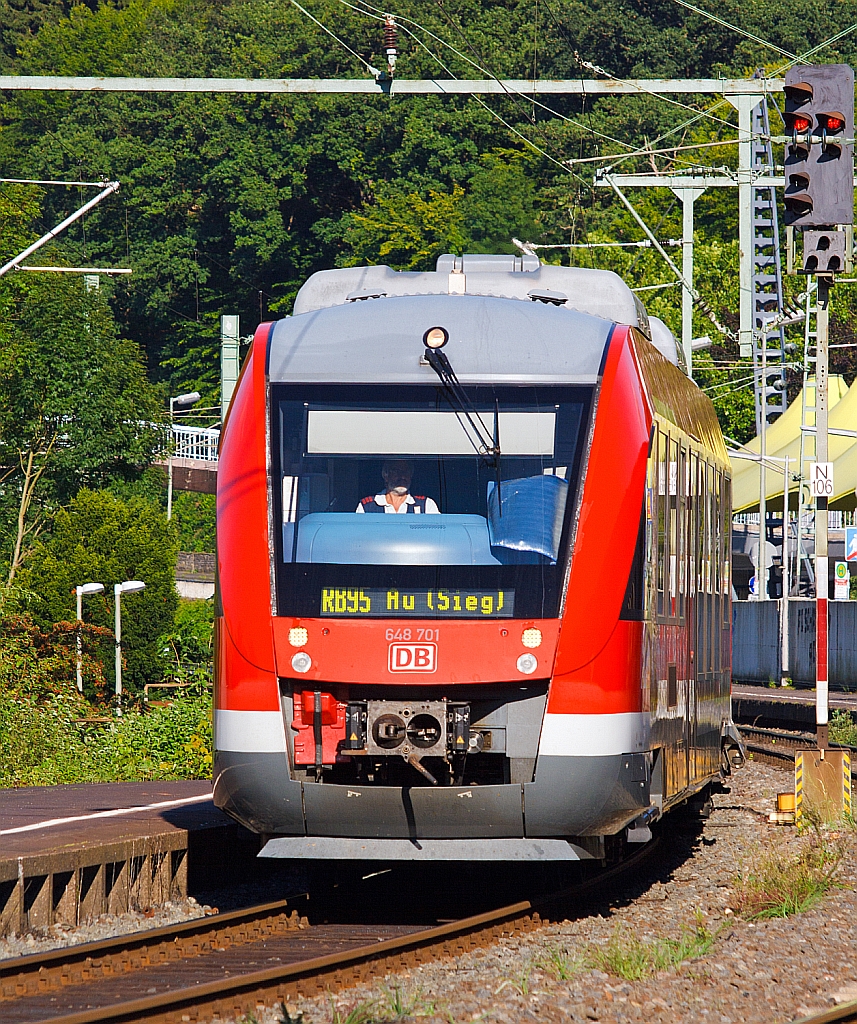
(413, 657)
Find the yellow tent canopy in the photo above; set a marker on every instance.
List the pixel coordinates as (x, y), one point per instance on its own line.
(783, 439)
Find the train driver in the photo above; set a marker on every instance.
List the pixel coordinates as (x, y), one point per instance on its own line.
(396, 496)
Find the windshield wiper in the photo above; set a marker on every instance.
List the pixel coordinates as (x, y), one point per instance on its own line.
(485, 445)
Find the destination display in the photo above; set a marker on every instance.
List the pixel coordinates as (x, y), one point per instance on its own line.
(418, 604)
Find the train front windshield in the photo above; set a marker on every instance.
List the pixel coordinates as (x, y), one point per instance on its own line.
(399, 502)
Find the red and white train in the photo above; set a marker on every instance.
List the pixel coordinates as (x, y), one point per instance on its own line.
(528, 649)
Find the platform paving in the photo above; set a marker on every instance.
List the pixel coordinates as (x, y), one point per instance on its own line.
(71, 853)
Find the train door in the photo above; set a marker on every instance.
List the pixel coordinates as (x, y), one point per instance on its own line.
(688, 704)
(707, 619)
(691, 604)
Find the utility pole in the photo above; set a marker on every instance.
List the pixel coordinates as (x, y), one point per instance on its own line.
(821, 451)
(229, 358)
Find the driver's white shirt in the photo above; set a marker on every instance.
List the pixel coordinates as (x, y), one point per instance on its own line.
(381, 499)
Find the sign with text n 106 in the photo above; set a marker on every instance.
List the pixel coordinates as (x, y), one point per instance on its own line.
(821, 479)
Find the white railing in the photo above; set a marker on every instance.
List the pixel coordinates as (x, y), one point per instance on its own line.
(195, 443)
(835, 520)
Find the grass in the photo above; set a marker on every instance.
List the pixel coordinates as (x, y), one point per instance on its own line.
(392, 1005)
(842, 729)
(778, 884)
(629, 957)
(559, 963)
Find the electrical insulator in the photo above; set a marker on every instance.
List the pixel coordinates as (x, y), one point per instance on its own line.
(391, 35)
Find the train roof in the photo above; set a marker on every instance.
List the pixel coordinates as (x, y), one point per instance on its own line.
(353, 324)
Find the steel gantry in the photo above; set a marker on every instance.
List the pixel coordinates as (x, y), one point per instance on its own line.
(769, 342)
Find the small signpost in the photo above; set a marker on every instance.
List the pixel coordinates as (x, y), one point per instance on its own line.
(841, 582)
(821, 479)
(851, 543)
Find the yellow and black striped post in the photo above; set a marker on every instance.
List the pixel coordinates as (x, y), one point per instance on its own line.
(798, 788)
(822, 785)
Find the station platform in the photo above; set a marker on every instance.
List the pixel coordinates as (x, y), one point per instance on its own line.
(71, 853)
(783, 708)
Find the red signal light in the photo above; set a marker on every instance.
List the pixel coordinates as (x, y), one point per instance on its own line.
(832, 122)
(801, 123)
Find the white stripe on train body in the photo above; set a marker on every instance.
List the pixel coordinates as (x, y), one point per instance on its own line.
(594, 735)
(249, 732)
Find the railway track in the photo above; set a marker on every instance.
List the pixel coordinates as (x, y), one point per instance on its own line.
(227, 965)
(776, 747)
(844, 1014)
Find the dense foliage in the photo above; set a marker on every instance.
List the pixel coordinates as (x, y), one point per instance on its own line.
(49, 734)
(101, 538)
(228, 202)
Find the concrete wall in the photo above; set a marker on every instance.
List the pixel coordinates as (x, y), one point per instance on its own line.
(756, 642)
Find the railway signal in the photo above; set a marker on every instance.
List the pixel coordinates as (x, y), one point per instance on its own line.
(819, 162)
(819, 199)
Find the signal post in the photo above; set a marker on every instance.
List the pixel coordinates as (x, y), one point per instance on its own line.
(819, 202)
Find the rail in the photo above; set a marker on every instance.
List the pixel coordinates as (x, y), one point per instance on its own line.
(102, 981)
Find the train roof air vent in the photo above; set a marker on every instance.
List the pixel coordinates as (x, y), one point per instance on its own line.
(548, 296)
(362, 296)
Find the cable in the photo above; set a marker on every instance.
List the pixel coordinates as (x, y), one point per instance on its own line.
(656, 152)
(734, 28)
(372, 70)
(595, 69)
(511, 93)
(815, 49)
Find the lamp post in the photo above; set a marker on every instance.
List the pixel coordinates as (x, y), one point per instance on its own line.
(184, 402)
(128, 587)
(81, 592)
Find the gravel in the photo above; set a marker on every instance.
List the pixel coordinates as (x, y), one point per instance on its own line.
(765, 971)
(106, 926)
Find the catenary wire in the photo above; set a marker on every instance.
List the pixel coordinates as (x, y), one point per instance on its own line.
(512, 93)
(743, 32)
(372, 70)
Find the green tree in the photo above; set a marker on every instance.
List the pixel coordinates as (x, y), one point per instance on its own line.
(101, 538)
(75, 406)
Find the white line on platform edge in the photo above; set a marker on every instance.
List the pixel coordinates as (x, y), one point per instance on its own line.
(105, 814)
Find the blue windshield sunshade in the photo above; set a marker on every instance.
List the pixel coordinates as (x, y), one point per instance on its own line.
(532, 509)
(348, 538)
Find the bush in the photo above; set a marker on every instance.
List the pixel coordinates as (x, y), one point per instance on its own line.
(194, 517)
(101, 538)
(187, 650)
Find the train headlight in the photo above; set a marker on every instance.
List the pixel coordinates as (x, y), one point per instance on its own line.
(298, 637)
(301, 662)
(435, 337)
(527, 664)
(531, 637)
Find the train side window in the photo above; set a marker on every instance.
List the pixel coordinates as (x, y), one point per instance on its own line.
(662, 501)
(673, 529)
(692, 524)
(725, 541)
(681, 515)
(632, 606)
(650, 513)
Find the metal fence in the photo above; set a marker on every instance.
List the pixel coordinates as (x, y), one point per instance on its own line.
(195, 443)
(756, 647)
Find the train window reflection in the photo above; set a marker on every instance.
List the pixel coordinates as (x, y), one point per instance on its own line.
(346, 450)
